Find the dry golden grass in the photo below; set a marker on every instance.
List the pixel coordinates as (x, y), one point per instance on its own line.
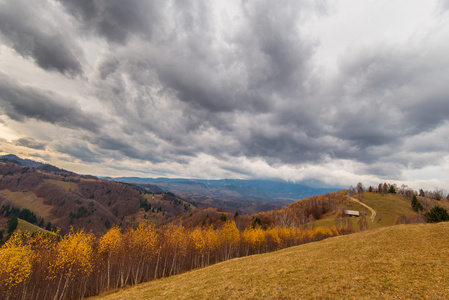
(28, 200)
(388, 207)
(26, 226)
(399, 262)
(67, 185)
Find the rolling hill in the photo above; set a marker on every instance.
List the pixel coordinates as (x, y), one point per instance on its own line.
(388, 208)
(400, 262)
(59, 198)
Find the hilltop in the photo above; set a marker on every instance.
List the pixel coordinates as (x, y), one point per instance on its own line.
(400, 262)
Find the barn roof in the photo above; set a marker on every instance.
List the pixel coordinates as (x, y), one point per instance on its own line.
(352, 213)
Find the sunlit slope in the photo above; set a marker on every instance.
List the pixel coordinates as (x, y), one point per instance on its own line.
(27, 199)
(404, 262)
(387, 207)
(26, 226)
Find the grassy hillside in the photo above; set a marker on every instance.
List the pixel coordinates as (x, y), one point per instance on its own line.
(400, 262)
(387, 208)
(26, 226)
(27, 199)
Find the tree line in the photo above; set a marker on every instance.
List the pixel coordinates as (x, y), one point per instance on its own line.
(426, 207)
(79, 264)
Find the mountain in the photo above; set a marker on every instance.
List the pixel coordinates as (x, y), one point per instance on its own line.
(236, 187)
(25, 162)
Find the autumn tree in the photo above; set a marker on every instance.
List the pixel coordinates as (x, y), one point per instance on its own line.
(15, 265)
(73, 263)
(229, 238)
(253, 239)
(139, 248)
(197, 237)
(274, 241)
(109, 245)
(211, 243)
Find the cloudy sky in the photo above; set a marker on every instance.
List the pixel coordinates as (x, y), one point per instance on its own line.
(341, 91)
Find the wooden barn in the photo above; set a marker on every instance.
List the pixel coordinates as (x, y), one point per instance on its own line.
(351, 213)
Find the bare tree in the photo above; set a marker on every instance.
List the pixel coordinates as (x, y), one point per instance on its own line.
(385, 188)
(363, 222)
(360, 190)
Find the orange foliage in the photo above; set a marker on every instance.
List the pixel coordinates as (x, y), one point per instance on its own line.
(15, 263)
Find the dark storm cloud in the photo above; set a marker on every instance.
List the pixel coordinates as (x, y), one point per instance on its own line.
(428, 115)
(30, 143)
(20, 102)
(188, 89)
(116, 20)
(388, 171)
(395, 90)
(135, 148)
(265, 55)
(277, 55)
(78, 149)
(385, 96)
(26, 29)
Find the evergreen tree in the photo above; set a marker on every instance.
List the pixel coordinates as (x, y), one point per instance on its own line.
(12, 225)
(416, 205)
(392, 190)
(437, 214)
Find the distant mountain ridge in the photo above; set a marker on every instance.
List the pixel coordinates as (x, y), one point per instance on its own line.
(25, 162)
(234, 187)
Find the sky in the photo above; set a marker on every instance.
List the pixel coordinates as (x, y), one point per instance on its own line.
(338, 91)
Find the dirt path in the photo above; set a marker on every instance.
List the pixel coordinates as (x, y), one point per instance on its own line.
(373, 212)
